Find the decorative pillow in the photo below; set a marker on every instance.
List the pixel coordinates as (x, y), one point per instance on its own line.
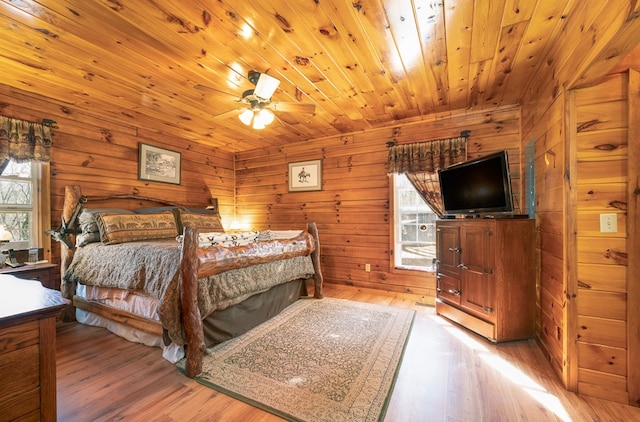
(209, 222)
(119, 228)
(88, 225)
(206, 240)
(156, 210)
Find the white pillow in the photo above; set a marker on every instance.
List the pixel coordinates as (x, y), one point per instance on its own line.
(206, 240)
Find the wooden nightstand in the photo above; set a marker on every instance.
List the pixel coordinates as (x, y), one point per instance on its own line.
(45, 273)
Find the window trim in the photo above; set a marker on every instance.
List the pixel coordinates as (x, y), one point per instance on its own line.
(392, 238)
(41, 209)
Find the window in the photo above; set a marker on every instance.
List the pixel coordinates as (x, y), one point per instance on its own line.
(19, 200)
(414, 227)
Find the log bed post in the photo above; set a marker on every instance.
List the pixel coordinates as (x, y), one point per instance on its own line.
(318, 280)
(190, 313)
(72, 198)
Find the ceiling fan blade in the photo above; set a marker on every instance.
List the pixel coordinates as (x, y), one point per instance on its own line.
(266, 86)
(228, 113)
(292, 107)
(205, 88)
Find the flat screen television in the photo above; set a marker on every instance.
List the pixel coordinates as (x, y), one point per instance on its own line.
(481, 186)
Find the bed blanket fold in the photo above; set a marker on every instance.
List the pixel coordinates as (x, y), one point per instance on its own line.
(153, 267)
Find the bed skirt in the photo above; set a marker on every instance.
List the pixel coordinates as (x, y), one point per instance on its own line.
(220, 326)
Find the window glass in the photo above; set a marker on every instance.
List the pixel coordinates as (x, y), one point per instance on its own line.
(18, 204)
(415, 239)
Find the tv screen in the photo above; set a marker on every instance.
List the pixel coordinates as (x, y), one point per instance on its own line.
(478, 186)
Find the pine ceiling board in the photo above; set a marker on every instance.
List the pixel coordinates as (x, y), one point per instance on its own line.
(344, 16)
(168, 68)
(210, 96)
(373, 19)
(516, 11)
(459, 22)
(185, 33)
(478, 84)
(66, 46)
(186, 53)
(545, 22)
(336, 42)
(431, 30)
(508, 44)
(404, 30)
(168, 114)
(333, 57)
(224, 59)
(288, 58)
(626, 44)
(287, 39)
(487, 21)
(60, 86)
(603, 27)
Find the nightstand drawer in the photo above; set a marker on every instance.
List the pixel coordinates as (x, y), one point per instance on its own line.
(44, 273)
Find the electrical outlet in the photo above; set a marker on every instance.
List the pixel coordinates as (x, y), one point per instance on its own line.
(367, 267)
(608, 223)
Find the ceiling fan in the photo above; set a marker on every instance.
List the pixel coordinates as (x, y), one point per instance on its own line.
(259, 112)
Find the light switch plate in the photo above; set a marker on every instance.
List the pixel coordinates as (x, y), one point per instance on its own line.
(608, 223)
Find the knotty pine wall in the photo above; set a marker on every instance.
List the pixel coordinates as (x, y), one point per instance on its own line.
(354, 211)
(549, 136)
(581, 140)
(599, 123)
(101, 156)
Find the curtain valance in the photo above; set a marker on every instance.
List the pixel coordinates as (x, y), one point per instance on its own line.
(22, 140)
(420, 163)
(427, 156)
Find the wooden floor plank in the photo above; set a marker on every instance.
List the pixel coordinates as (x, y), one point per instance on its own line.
(447, 374)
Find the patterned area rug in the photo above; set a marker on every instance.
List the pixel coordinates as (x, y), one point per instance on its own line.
(319, 360)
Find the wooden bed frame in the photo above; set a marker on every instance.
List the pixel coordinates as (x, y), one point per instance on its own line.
(193, 265)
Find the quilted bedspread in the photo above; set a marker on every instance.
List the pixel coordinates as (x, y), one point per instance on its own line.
(153, 267)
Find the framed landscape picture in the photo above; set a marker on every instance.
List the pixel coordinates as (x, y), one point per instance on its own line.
(305, 176)
(159, 164)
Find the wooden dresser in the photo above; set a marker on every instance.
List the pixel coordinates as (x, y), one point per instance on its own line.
(27, 349)
(486, 276)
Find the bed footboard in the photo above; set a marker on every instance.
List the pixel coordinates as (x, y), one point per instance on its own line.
(190, 314)
(188, 285)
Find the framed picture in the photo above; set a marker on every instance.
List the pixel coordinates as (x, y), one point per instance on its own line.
(159, 164)
(305, 176)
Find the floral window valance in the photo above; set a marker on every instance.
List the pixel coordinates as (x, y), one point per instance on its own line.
(421, 161)
(22, 140)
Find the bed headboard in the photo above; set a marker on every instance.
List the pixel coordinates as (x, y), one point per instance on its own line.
(75, 202)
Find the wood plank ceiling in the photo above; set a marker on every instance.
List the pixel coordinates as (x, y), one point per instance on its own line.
(180, 67)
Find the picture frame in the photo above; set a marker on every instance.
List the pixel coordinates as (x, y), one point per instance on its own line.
(305, 176)
(159, 164)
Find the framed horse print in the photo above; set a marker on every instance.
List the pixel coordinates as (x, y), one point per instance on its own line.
(305, 176)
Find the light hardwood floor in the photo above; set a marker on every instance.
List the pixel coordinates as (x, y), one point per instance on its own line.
(447, 374)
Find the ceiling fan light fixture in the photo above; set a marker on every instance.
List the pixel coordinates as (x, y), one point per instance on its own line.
(246, 116)
(266, 116)
(266, 86)
(257, 123)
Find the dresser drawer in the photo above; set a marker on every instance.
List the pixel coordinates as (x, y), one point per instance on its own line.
(20, 387)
